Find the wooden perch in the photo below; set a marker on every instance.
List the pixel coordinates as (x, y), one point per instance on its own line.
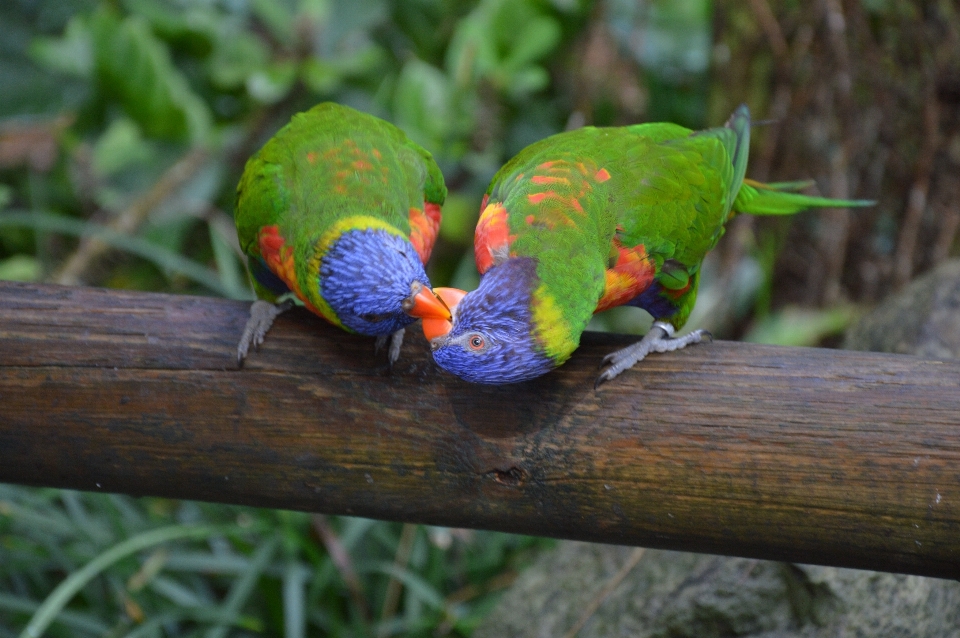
(797, 454)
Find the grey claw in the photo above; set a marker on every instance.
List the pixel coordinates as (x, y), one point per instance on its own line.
(393, 350)
(396, 341)
(659, 339)
(262, 314)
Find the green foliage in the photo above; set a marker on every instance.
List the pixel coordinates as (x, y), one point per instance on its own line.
(134, 68)
(794, 326)
(89, 564)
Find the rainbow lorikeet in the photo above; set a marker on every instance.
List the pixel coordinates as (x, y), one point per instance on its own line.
(594, 218)
(342, 210)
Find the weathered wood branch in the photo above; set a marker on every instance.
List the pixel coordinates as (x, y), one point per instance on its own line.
(807, 455)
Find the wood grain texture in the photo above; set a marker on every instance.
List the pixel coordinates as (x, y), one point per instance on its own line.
(800, 454)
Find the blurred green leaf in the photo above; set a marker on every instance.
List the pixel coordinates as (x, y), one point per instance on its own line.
(320, 76)
(236, 58)
(460, 214)
(500, 41)
(135, 67)
(465, 276)
(527, 80)
(269, 84)
(20, 268)
(192, 26)
(277, 16)
(71, 54)
(534, 40)
(422, 105)
(120, 146)
(795, 326)
(323, 75)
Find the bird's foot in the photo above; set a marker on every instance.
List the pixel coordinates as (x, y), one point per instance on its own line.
(659, 339)
(262, 314)
(393, 351)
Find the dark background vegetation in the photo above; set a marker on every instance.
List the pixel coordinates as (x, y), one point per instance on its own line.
(124, 127)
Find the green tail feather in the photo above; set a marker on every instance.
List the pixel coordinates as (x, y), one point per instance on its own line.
(755, 198)
(739, 123)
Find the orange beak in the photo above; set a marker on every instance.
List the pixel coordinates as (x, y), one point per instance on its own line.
(436, 325)
(426, 304)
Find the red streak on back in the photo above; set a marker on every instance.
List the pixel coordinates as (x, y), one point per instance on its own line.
(536, 198)
(312, 157)
(602, 175)
(548, 179)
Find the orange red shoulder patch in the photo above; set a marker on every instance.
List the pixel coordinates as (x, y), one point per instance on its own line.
(424, 225)
(492, 238)
(630, 275)
(279, 257)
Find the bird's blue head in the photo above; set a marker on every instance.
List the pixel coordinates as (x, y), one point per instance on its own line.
(491, 339)
(367, 276)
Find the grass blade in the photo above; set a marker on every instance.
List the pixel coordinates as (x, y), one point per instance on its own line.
(81, 622)
(414, 583)
(295, 577)
(243, 587)
(60, 596)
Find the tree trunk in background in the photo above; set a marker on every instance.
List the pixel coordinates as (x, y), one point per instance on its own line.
(864, 97)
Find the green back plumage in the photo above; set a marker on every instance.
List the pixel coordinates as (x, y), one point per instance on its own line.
(328, 166)
(322, 167)
(658, 186)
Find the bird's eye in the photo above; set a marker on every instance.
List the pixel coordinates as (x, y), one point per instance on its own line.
(476, 342)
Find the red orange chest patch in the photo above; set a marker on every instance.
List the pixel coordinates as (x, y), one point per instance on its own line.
(280, 259)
